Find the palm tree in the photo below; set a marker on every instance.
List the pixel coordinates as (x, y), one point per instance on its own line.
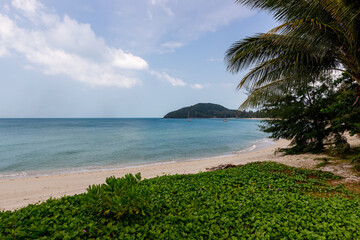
(315, 37)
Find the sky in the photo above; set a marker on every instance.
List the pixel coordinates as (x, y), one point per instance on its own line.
(119, 58)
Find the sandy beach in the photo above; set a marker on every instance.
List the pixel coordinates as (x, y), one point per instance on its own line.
(19, 192)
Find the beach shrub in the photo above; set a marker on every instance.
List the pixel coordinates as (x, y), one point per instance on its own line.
(255, 201)
(314, 116)
(298, 116)
(344, 111)
(119, 196)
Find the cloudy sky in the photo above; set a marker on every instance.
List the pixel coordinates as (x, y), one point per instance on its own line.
(119, 58)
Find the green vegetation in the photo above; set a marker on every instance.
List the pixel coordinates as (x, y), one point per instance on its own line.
(314, 38)
(324, 162)
(315, 116)
(209, 110)
(290, 69)
(255, 201)
(353, 157)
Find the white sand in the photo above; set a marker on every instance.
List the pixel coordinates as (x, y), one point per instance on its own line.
(19, 192)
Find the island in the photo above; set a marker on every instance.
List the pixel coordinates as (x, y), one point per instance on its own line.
(210, 110)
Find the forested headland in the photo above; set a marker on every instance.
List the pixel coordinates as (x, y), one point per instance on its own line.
(210, 110)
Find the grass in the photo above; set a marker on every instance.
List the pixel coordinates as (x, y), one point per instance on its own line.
(351, 156)
(354, 156)
(324, 162)
(255, 201)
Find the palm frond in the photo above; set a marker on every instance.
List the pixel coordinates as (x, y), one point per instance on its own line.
(315, 37)
(271, 92)
(277, 56)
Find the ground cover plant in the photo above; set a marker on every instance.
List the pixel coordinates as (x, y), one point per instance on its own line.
(258, 201)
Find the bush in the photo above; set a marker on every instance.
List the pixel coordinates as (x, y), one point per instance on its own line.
(119, 196)
(314, 115)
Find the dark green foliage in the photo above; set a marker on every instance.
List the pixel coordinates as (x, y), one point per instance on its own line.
(346, 115)
(299, 118)
(209, 110)
(325, 161)
(313, 38)
(255, 201)
(119, 196)
(355, 159)
(314, 115)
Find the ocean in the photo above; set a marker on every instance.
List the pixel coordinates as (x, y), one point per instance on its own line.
(31, 147)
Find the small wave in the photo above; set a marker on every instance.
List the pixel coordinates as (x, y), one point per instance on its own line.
(249, 149)
(254, 146)
(13, 175)
(258, 145)
(79, 170)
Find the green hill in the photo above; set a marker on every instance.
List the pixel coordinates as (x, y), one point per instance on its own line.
(210, 110)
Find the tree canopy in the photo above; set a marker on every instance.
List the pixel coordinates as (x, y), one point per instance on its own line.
(314, 39)
(314, 116)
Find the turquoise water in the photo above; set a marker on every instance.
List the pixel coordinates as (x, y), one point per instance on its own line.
(45, 146)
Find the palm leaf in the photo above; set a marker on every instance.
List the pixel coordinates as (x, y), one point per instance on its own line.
(314, 38)
(271, 92)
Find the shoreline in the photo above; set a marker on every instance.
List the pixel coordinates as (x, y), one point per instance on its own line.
(256, 145)
(19, 192)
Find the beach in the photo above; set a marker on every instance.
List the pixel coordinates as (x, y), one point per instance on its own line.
(19, 192)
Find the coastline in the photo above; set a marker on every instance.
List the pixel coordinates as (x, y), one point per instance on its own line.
(256, 145)
(19, 192)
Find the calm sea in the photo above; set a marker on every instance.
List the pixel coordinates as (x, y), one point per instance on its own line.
(46, 146)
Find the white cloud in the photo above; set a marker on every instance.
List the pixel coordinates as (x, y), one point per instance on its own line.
(63, 46)
(60, 45)
(163, 5)
(172, 44)
(157, 2)
(3, 51)
(29, 7)
(127, 60)
(59, 62)
(6, 7)
(176, 82)
(151, 23)
(197, 86)
(214, 60)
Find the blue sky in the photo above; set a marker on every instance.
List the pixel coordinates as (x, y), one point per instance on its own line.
(117, 58)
